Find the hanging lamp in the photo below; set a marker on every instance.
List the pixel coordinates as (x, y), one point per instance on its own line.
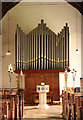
(8, 52)
(77, 50)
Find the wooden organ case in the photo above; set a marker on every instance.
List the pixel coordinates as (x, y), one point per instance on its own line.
(41, 55)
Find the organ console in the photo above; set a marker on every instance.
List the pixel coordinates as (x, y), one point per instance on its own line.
(42, 49)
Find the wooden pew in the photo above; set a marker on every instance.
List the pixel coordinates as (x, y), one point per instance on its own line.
(16, 107)
(5, 108)
(11, 105)
(21, 102)
(65, 105)
(72, 106)
(79, 105)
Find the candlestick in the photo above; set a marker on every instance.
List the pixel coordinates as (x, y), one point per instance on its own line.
(10, 71)
(74, 75)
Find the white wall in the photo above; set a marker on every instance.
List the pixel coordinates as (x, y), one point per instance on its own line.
(8, 59)
(61, 82)
(28, 15)
(82, 46)
(0, 61)
(0, 45)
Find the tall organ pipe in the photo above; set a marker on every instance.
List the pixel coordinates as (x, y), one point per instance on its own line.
(42, 48)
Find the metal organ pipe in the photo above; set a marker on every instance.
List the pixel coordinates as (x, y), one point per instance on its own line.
(47, 38)
(42, 48)
(67, 43)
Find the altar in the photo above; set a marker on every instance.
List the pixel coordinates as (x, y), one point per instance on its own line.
(43, 90)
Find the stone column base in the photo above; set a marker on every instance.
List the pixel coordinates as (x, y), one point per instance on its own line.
(43, 106)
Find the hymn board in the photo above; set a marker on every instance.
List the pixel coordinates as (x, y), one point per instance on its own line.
(42, 49)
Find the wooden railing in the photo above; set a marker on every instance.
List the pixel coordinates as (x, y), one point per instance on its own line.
(11, 105)
(72, 105)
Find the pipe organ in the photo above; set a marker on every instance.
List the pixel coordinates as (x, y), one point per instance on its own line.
(42, 48)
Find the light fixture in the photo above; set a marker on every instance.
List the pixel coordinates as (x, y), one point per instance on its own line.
(77, 50)
(21, 73)
(10, 71)
(74, 75)
(67, 69)
(8, 52)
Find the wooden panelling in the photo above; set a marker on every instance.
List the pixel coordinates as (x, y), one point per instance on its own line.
(34, 79)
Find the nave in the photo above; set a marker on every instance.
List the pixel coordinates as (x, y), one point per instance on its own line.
(53, 112)
(40, 51)
(12, 106)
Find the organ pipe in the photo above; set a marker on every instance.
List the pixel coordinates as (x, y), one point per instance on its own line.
(42, 48)
(47, 48)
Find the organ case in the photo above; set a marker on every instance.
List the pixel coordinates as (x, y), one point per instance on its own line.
(42, 49)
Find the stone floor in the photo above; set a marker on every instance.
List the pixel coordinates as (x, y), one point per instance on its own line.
(54, 112)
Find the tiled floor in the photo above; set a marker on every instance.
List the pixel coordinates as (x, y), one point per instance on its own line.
(53, 112)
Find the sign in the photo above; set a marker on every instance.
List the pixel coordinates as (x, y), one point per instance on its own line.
(44, 88)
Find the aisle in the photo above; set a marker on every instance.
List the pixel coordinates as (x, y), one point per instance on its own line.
(53, 111)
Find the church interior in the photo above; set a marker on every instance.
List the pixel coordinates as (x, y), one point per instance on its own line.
(41, 68)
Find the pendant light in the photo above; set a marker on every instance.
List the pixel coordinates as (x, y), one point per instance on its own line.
(8, 52)
(77, 50)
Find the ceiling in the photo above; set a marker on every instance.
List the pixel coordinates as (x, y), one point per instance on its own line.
(78, 5)
(6, 6)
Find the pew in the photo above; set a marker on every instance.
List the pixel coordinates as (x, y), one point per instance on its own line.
(79, 105)
(66, 106)
(11, 106)
(72, 105)
(6, 108)
(21, 102)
